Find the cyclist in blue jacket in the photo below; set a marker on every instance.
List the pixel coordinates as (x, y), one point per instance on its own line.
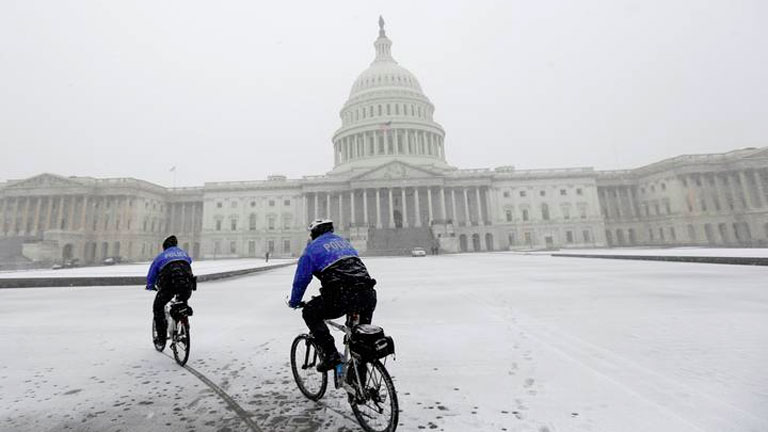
(346, 287)
(170, 275)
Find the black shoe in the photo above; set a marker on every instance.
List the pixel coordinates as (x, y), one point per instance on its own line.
(329, 362)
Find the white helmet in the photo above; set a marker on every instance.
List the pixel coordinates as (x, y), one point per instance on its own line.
(319, 226)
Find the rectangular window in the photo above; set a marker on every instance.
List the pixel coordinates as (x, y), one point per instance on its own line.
(218, 224)
(585, 234)
(579, 191)
(525, 214)
(287, 202)
(232, 247)
(271, 224)
(286, 246)
(251, 248)
(569, 236)
(506, 194)
(233, 224)
(509, 215)
(563, 192)
(271, 246)
(271, 203)
(522, 194)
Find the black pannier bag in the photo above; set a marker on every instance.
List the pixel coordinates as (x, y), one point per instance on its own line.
(178, 310)
(369, 342)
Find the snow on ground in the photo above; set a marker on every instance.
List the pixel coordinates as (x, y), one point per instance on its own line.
(679, 251)
(141, 269)
(486, 342)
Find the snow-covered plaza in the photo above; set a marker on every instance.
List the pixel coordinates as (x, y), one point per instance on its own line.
(485, 342)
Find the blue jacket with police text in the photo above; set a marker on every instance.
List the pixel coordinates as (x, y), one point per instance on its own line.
(319, 254)
(169, 255)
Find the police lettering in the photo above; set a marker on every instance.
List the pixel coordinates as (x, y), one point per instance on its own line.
(337, 245)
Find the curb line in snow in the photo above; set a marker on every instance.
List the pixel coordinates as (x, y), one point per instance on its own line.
(755, 261)
(44, 282)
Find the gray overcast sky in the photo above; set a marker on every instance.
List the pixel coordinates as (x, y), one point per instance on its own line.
(238, 90)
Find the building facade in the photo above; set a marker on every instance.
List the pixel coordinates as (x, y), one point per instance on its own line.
(391, 189)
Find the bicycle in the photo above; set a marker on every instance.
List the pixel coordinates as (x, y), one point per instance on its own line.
(177, 315)
(369, 387)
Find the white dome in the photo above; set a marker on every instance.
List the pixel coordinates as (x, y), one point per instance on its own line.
(387, 116)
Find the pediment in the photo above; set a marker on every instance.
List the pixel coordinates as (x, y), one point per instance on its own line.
(45, 180)
(396, 170)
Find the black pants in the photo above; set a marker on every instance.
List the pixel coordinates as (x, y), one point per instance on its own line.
(164, 295)
(334, 303)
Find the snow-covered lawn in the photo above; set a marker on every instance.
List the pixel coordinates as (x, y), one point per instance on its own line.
(486, 342)
(141, 269)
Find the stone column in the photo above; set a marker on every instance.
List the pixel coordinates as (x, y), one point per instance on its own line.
(719, 191)
(3, 201)
(490, 202)
(466, 208)
(417, 213)
(405, 207)
(735, 191)
(36, 220)
(25, 216)
(84, 214)
(71, 219)
(352, 207)
(304, 209)
(391, 210)
(183, 227)
(760, 191)
(378, 209)
(745, 190)
(453, 206)
(328, 205)
(49, 216)
(365, 207)
(429, 204)
(442, 204)
(480, 219)
(340, 220)
(317, 210)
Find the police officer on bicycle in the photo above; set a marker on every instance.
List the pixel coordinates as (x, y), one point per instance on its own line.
(346, 287)
(170, 275)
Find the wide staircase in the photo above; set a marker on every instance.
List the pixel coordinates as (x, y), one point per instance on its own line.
(398, 241)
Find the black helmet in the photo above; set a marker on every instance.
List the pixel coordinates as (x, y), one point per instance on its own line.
(319, 227)
(170, 241)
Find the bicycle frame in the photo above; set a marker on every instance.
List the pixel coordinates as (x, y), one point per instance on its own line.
(341, 380)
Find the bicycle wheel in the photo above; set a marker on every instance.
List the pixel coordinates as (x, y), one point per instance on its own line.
(304, 359)
(159, 347)
(180, 344)
(377, 409)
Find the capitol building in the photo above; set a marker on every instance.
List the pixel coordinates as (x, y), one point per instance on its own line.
(392, 189)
